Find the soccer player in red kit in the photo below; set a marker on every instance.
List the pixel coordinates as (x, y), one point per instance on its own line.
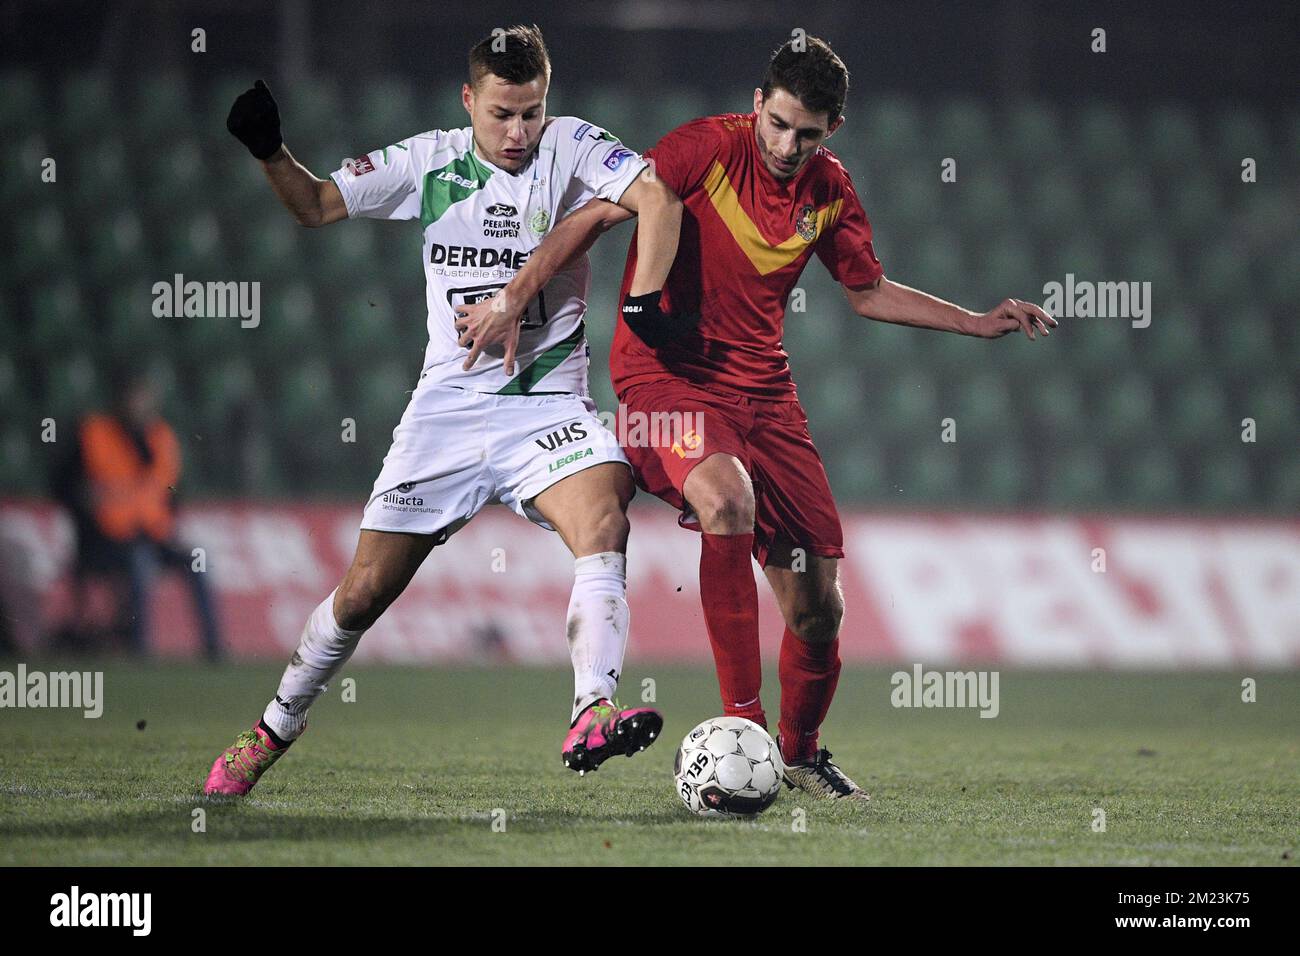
(762, 195)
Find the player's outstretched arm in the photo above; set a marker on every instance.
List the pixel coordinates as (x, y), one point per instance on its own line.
(496, 320)
(255, 121)
(659, 227)
(894, 302)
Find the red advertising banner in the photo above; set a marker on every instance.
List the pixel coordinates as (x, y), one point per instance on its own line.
(1037, 591)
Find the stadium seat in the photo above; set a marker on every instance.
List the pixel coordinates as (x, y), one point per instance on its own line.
(21, 470)
(1034, 130)
(290, 325)
(1240, 132)
(21, 98)
(1284, 485)
(1195, 207)
(986, 201)
(1103, 139)
(269, 241)
(161, 108)
(910, 405)
(673, 107)
(1172, 139)
(1197, 415)
(130, 327)
(1272, 403)
(72, 388)
(117, 246)
(383, 113)
(963, 129)
(1149, 478)
(1126, 202)
(1149, 257)
(60, 320)
(1225, 480)
(1171, 346)
(40, 246)
(1002, 475)
(1244, 341)
(1053, 202)
(87, 105)
(176, 169)
(930, 473)
(983, 408)
(1076, 478)
(1128, 409)
(855, 465)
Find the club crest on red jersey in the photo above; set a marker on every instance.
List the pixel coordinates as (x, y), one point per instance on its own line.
(805, 224)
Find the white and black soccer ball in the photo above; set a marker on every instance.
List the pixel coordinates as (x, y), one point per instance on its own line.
(728, 767)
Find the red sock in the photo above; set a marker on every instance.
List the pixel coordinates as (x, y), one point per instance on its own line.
(730, 601)
(809, 673)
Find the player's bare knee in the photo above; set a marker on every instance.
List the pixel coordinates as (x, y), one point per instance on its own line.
(725, 508)
(818, 622)
(606, 531)
(359, 601)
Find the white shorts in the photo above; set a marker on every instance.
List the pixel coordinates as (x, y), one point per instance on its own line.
(457, 450)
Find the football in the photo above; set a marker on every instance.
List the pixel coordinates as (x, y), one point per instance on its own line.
(728, 767)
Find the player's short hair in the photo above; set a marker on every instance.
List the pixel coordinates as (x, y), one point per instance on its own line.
(517, 54)
(812, 74)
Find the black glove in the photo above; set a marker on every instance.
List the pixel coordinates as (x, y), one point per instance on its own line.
(255, 120)
(650, 323)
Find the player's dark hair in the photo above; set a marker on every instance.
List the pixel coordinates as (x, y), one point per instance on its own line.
(807, 68)
(517, 54)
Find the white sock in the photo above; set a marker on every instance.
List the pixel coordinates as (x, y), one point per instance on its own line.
(597, 626)
(322, 651)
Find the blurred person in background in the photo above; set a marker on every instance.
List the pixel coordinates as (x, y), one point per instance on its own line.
(119, 483)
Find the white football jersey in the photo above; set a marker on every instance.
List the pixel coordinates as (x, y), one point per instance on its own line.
(480, 224)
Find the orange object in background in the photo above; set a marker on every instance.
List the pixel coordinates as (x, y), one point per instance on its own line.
(131, 492)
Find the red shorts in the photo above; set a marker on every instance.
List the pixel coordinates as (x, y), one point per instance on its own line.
(793, 506)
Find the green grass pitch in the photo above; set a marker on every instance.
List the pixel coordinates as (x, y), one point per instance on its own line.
(415, 770)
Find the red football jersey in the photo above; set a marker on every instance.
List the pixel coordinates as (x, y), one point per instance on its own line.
(745, 240)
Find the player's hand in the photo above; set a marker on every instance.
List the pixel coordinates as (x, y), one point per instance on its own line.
(646, 318)
(491, 322)
(1010, 315)
(255, 121)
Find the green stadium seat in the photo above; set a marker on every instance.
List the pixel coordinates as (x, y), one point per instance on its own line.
(911, 197)
(1007, 266)
(1077, 478)
(195, 246)
(1079, 254)
(161, 108)
(22, 469)
(1282, 285)
(1002, 475)
(225, 388)
(1284, 485)
(983, 407)
(40, 246)
(22, 194)
(1225, 480)
(88, 105)
(1150, 478)
(671, 108)
(384, 113)
(893, 134)
(60, 321)
(72, 388)
(318, 117)
(1197, 416)
(1057, 407)
(1245, 341)
(834, 399)
(1273, 404)
(964, 131)
(930, 473)
(1034, 130)
(1172, 346)
(1172, 142)
(290, 325)
(1149, 257)
(1103, 139)
(1127, 202)
(271, 242)
(1222, 279)
(1095, 346)
(1240, 132)
(1128, 411)
(910, 405)
(177, 169)
(21, 99)
(1196, 207)
(985, 203)
(1054, 202)
(131, 329)
(117, 246)
(855, 465)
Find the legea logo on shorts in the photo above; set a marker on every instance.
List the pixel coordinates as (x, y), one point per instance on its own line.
(570, 459)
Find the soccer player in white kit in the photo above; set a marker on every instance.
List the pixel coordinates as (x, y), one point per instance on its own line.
(505, 419)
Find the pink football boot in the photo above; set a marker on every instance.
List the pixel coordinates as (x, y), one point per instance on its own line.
(242, 764)
(604, 730)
